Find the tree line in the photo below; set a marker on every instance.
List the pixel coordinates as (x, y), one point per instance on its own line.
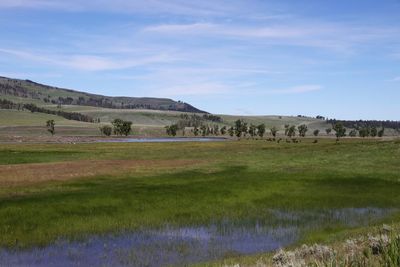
(242, 129)
(359, 124)
(6, 104)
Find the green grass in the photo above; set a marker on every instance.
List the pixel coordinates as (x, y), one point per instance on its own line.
(28, 124)
(237, 180)
(10, 118)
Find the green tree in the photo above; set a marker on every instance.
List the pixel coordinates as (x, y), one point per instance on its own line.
(340, 130)
(374, 131)
(204, 130)
(245, 129)
(286, 129)
(291, 131)
(363, 131)
(126, 128)
(216, 129)
(274, 131)
(231, 131)
(122, 127)
(328, 131)
(117, 126)
(252, 130)
(172, 129)
(302, 130)
(106, 130)
(240, 128)
(381, 132)
(261, 130)
(353, 133)
(196, 131)
(223, 130)
(316, 132)
(50, 124)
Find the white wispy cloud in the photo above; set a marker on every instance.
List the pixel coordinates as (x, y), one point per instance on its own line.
(213, 70)
(37, 4)
(89, 62)
(229, 30)
(296, 89)
(29, 75)
(209, 88)
(194, 28)
(181, 7)
(339, 37)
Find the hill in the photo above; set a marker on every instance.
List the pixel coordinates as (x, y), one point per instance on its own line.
(27, 91)
(25, 106)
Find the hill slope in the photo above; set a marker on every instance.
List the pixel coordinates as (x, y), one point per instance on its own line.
(31, 92)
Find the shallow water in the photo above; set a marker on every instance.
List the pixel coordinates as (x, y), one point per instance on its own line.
(191, 244)
(164, 140)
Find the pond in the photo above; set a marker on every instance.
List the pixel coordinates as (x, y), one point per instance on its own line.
(192, 244)
(164, 140)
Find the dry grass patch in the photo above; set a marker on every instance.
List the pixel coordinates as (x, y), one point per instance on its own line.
(35, 173)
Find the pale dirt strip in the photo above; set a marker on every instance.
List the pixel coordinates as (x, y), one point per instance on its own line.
(35, 173)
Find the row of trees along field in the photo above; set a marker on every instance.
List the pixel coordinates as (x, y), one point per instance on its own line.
(243, 129)
(359, 124)
(119, 127)
(6, 104)
(200, 128)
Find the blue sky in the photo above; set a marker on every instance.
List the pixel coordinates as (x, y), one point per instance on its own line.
(335, 58)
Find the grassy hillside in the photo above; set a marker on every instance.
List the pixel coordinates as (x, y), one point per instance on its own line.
(26, 118)
(27, 91)
(15, 124)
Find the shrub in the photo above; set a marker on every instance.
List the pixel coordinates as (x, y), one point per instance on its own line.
(106, 130)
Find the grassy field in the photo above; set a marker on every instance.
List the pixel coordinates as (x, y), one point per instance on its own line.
(69, 191)
(10, 118)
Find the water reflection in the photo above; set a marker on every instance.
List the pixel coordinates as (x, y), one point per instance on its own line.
(185, 245)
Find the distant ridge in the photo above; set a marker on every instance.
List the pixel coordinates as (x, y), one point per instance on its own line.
(27, 89)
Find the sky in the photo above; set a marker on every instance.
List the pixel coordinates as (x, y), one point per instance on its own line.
(336, 58)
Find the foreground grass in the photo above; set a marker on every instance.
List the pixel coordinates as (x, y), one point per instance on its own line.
(236, 181)
(364, 247)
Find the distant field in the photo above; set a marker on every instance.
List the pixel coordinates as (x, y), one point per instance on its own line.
(168, 117)
(146, 123)
(27, 118)
(280, 121)
(137, 116)
(156, 117)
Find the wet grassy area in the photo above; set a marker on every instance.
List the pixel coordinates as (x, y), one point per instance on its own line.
(324, 187)
(172, 245)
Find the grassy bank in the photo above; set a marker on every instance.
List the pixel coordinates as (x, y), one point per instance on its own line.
(117, 187)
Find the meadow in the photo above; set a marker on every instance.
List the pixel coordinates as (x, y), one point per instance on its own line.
(72, 191)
